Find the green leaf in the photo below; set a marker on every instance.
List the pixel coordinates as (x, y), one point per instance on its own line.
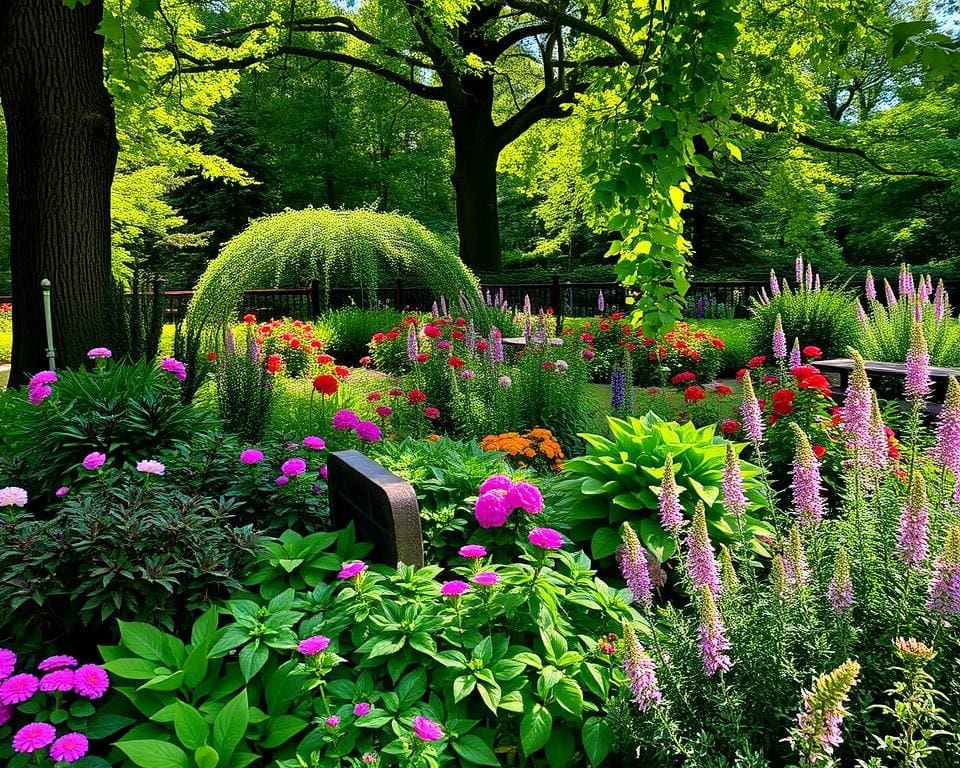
(152, 753)
(252, 659)
(230, 725)
(132, 669)
(164, 682)
(190, 727)
(206, 757)
(535, 729)
(560, 748)
(204, 628)
(232, 636)
(569, 695)
(281, 729)
(734, 151)
(146, 641)
(475, 750)
(604, 542)
(597, 740)
(463, 686)
(195, 667)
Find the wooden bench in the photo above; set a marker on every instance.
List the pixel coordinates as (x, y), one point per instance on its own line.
(382, 507)
(843, 366)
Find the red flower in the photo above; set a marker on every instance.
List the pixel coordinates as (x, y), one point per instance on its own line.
(378, 338)
(431, 413)
(294, 343)
(631, 347)
(718, 343)
(770, 379)
(819, 451)
(694, 394)
(374, 397)
(298, 323)
(695, 356)
(547, 365)
(342, 371)
(587, 337)
(211, 356)
(286, 337)
(481, 346)
(783, 402)
(415, 396)
(249, 319)
(410, 320)
(653, 390)
(455, 362)
(365, 360)
(818, 382)
(740, 374)
(316, 343)
(395, 392)
(324, 359)
(392, 336)
(616, 316)
(722, 389)
(756, 362)
(812, 352)
(730, 427)
(421, 357)
(458, 335)
(432, 331)
(461, 322)
(683, 377)
(326, 384)
(804, 371)
(604, 326)
(649, 341)
(274, 363)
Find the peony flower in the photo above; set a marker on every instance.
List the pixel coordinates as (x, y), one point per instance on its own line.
(426, 730)
(490, 509)
(473, 551)
(34, 736)
(91, 681)
(486, 578)
(345, 420)
(293, 467)
(60, 680)
(251, 456)
(313, 645)
(454, 588)
(525, 496)
(52, 663)
(94, 460)
(13, 496)
(99, 352)
(151, 467)
(495, 482)
(368, 432)
(349, 570)
(69, 748)
(545, 538)
(8, 662)
(62, 491)
(314, 443)
(17, 689)
(174, 366)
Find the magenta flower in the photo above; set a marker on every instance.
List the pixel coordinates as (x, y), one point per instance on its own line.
(91, 681)
(671, 515)
(313, 645)
(473, 551)
(13, 496)
(345, 420)
(251, 456)
(174, 366)
(17, 689)
(912, 546)
(384, 411)
(713, 639)
(524, 496)
(734, 498)
(454, 588)
(151, 467)
(640, 672)
(94, 460)
(293, 467)
(426, 730)
(38, 394)
(6, 713)
(368, 432)
(60, 680)
(333, 721)
(323, 472)
(70, 747)
(361, 708)
(8, 662)
(486, 578)
(545, 538)
(349, 570)
(52, 663)
(779, 339)
(99, 352)
(495, 483)
(34, 736)
(701, 560)
(42, 378)
(282, 480)
(633, 565)
(490, 509)
(808, 502)
(796, 358)
(918, 365)
(62, 491)
(314, 443)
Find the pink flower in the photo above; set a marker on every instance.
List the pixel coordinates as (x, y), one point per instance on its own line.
(495, 482)
(323, 472)
(34, 736)
(545, 538)
(361, 708)
(6, 712)
(345, 420)
(490, 510)
(12, 496)
(70, 747)
(251, 456)
(56, 662)
(17, 689)
(524, 496)
(369, 432)
(42, 378)
(313, 645)
(369, 758)
(174, 366)
(333, 721)
(384, 411)
(486, 578)
(94, 460)
(38, 394)
(151, 467)
(99, 352)
(454, 588)
(60, 680)
(282, 480)
(349, 570)
(473, 550)
(8, 661)
(62, 491)
(431, 413)
(427, 730)
(91, 681)
(293, 467)
(314, 443)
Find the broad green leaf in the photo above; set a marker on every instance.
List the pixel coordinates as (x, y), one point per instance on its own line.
(535, 729)
(230, 725)
(152, 753)
(597, 740)
(475, 750)
(190, 727)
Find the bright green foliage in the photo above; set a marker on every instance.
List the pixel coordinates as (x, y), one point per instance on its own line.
(245, 389)
(339, 248)
(886, 334)
(825, 318)
(619, 480)
(349, 330)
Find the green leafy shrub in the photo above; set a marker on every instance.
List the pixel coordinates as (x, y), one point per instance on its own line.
(245, 390)
(886, 332)
(350, 330)
(619, 480)
(736, 343)
(824, 317)
(129, 408)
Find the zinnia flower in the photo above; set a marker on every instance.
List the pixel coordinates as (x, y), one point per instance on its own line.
(69, 748)
(349, 570)
(17, 689)
(490, 509)
(545, 538)
(314, 443)
(60, 680)
(473, 551)
(62, 491)
(368, 432)
(313, 645)
(345, 420)
(251, 456)
(56, 662)
(99, 352)
(174, 366)
(90, 681)
(333, 721)
(37, 394)
(151, 467)
(94, 460)
(293, 467)
(361, 708)
(34, 736)
(13, 496)
(8, 662)
(486, 578)
(431, 413)
(426, 730)
(326, 384)
(454, 588)
(525, 496)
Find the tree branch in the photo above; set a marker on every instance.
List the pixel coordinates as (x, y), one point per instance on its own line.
(823, 146)
(542, 106)
(519, 34)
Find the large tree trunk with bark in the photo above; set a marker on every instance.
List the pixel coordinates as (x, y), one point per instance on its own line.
(62, 153)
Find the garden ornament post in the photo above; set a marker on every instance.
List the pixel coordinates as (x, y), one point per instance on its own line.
(48, 323)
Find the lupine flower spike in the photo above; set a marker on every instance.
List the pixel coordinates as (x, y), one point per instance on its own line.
(774, 284)
(799, 270)
(701, 560)
(809, 277)
(807, 498)
(817, 732)
(857, 407)
(750, 411)
(870, 287)
(944, 593)
(713, 636)
(671, 516)
(939, 301)
(728, 573)
(633, 565)
(861, 315)
(912, 547)
(879, 444)
(734, 498)
(796, 568)
(840, 588)
(779, 339)
(888, 293)
(795, 356)
(640, 671)
(918, 365)
(947, 448)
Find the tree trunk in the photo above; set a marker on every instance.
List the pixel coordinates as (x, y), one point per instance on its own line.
(475, 182)
(62, 152)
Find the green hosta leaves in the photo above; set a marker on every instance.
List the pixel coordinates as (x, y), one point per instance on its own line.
(535, 729)
(597, 740)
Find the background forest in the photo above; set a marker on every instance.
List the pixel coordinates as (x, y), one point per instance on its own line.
(195, 166)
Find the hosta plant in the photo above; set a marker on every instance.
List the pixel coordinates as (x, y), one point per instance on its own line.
(619, 479)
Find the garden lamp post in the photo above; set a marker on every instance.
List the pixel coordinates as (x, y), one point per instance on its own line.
(48, 322)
